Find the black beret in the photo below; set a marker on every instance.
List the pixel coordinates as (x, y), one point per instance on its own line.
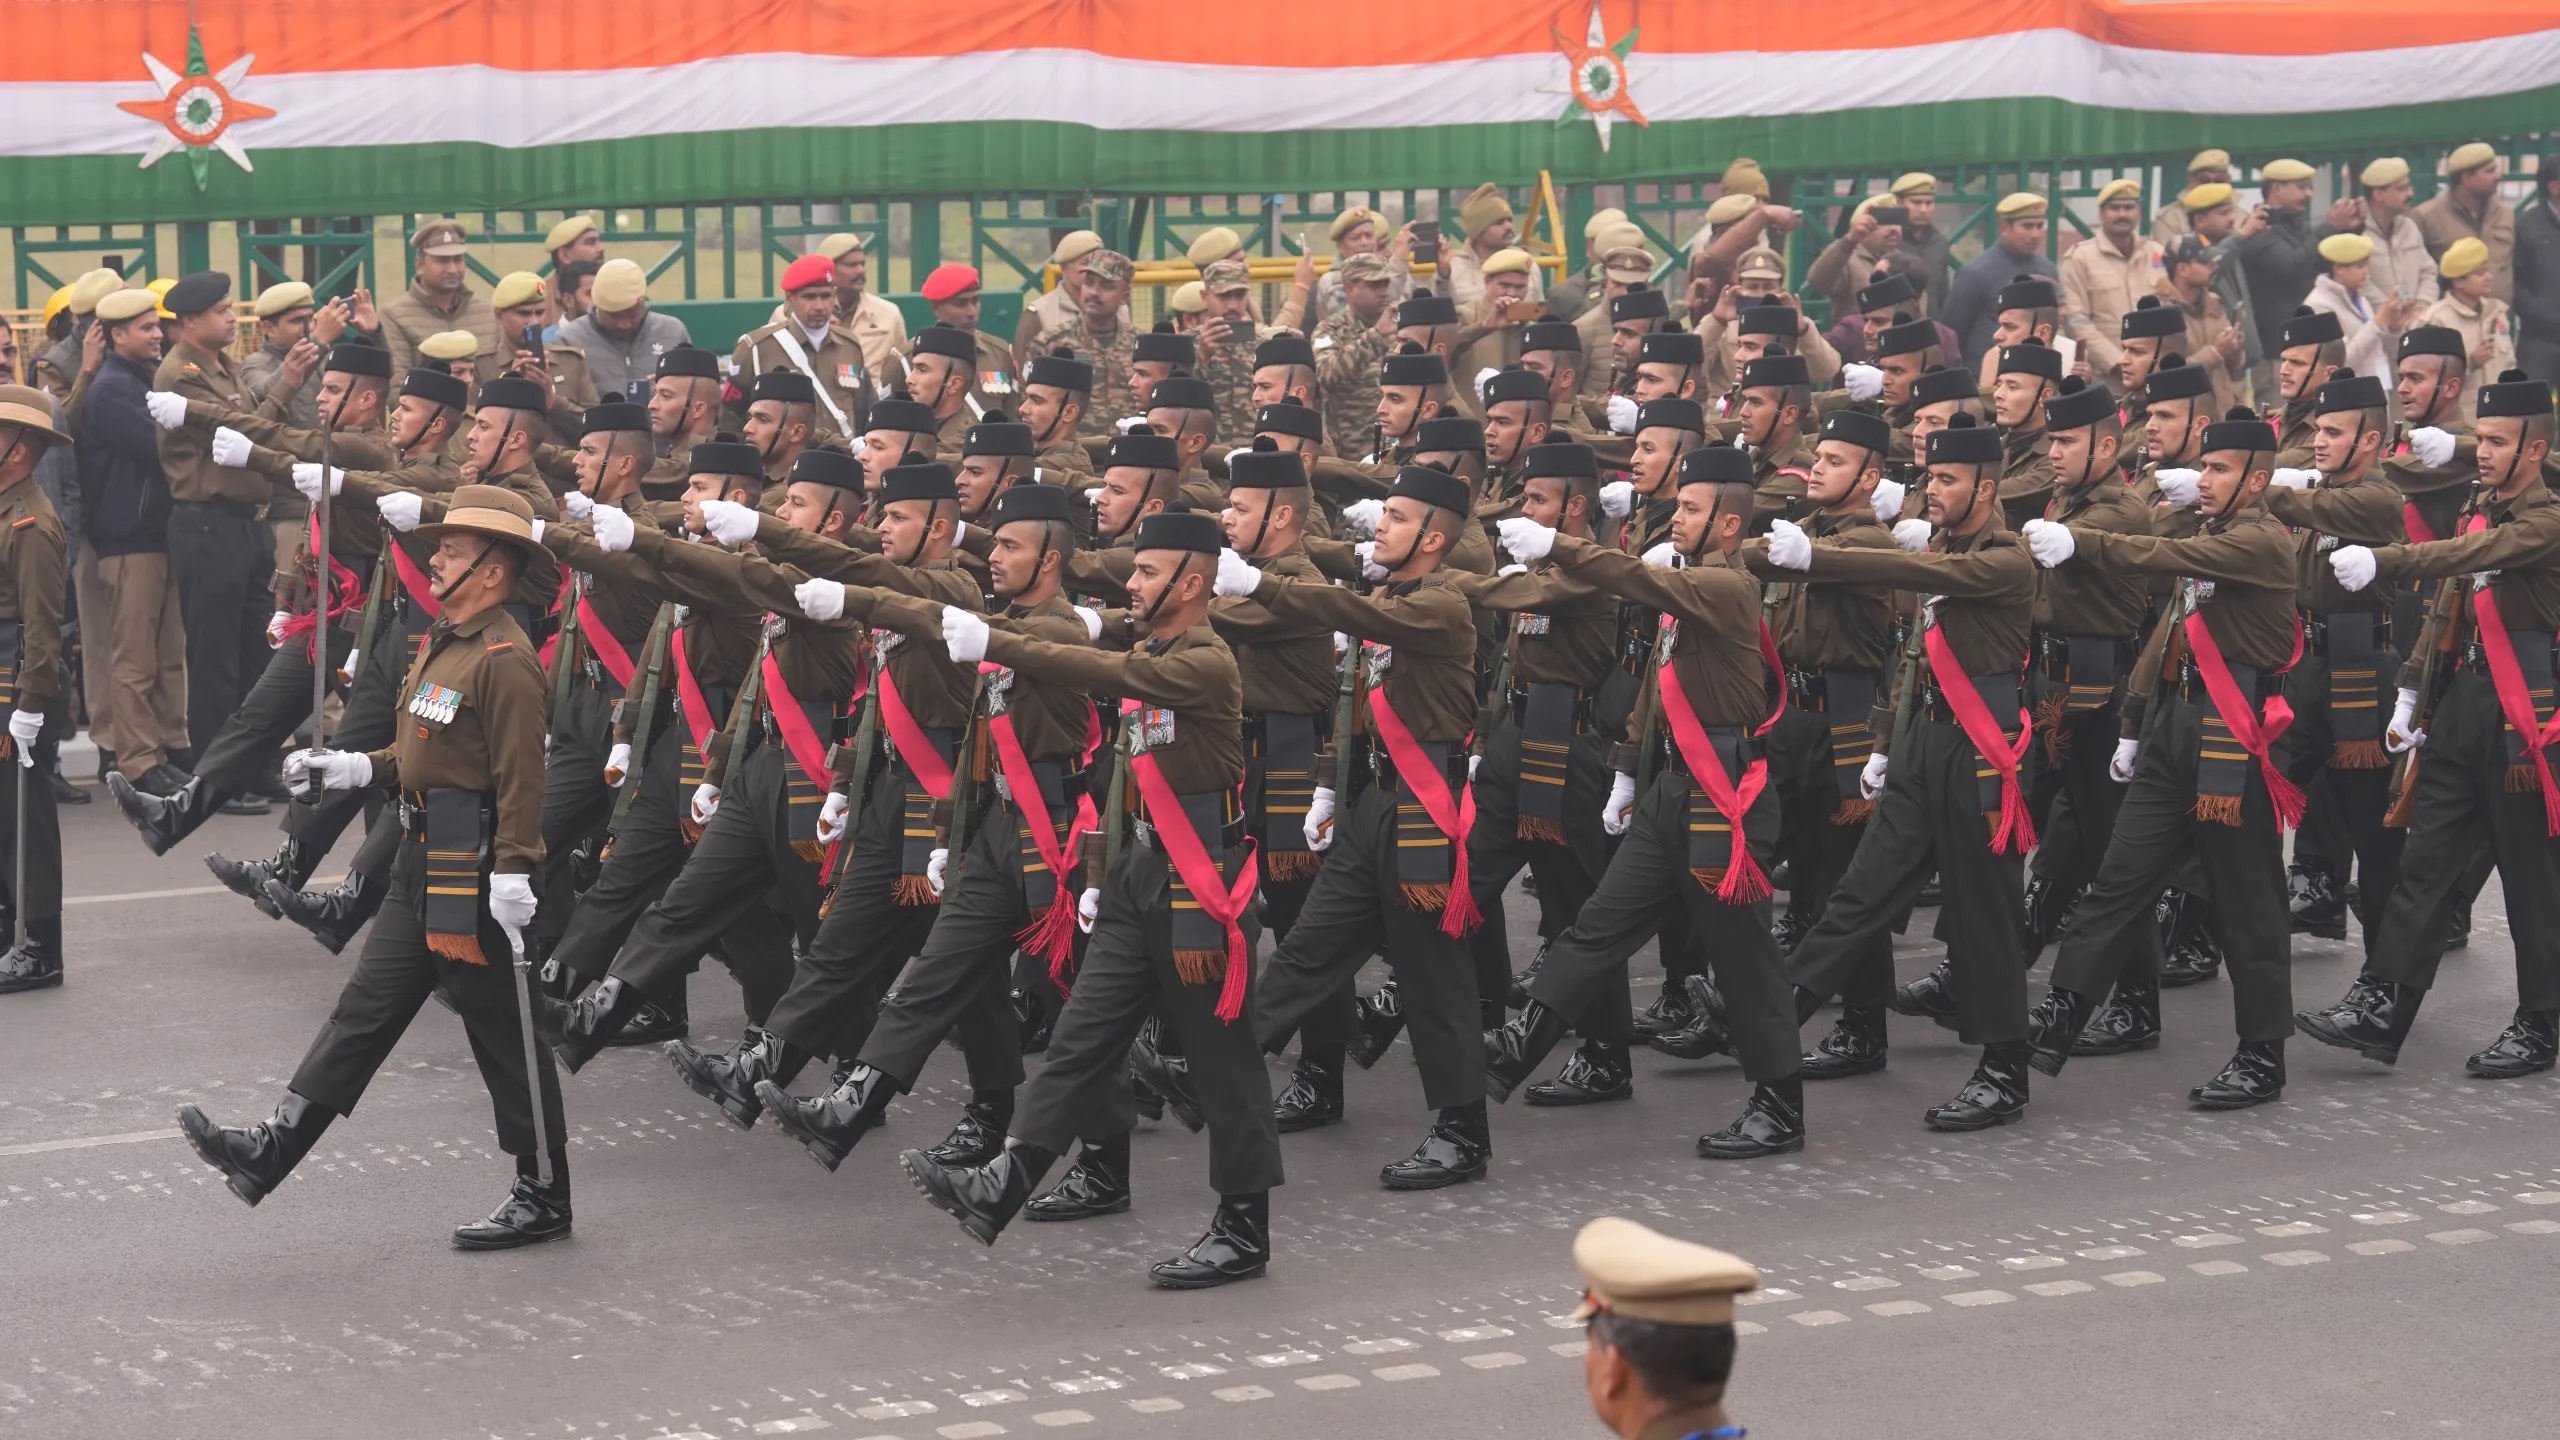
(2077, 404)
(788, 386)
(1181, 530)
(1672, 412)
(615, 415)
(1716, 465)
(827, 465)
(2176, 380)
(350, 358)
(200, 291)
(996, 435)
(944, 340)
(2433, 340)
(2029, 357)
(1942, 383)
(1906, 336)
(1033, 500)
(2240, 429)
(1671, 347)
(1436, 488)
(1284, 350)
(1142, 449)
(1182, 392)
(1448, 432)
(907, 417)
(689, 362)
(1888, 293)
(2028, 292)
(1778, 371)
(1643, 304)
(1568, 458)
(2513, 395)
(1965, 441)
(2151, 320)
(1163, 345)
(1551, 335)
(1517, 385)
(1769, 317)
(1060, 369)
(1288, 417)
(1420, 368)
(917, 480)
(1424, 308)
(1265, 467)
(510, 392)
(1862, 428)
(2347, 391)
(2310, 327)
(729, 456)
(437, 386)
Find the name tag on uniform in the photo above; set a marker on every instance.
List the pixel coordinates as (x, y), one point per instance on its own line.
(1535, 624)
(439, 703)
(1155, 727)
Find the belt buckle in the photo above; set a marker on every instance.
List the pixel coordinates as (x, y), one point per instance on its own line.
(1144, 832)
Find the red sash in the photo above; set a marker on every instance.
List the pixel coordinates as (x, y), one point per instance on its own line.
(914, 746)
(1199, 873)
(2418, 531)
(345, 594)
(1051, 937)
(2016, 831)
(608, 651)
(559, 603)
(422, 591)
(690, 699)
(2256, 733)
(1743, 883)
(798, 735)
(1455, 817)
(2515, 697)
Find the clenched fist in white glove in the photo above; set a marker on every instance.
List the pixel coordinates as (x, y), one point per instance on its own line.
(820, 599)
(2051, 543)
(934, 866)
(1622, 415)
(2403, 734)
(1525, 539)
(728, 522)
(2120, 764)
(1236, 575)
(617, 764)
(831, 816)
(399, 510)
(1665, 556)
(168, 409)
(613, 528)
(2353, 565)
(306, 478)
(1092, 619)
(1370, 569)
(24, 727)
(2177, 487)
(964, 635)
(1912, 535)
(333, 769)
(1789, 547)
(2292, 479)
(275, 629)
(576, 504)
(1088, 910)
(1362, 515)
(1887, 500)
(230, 448)
(511, 901)
(2433, 447)
(1871, 779)
(706, 802)
(1620, 808)
(1130, 424)
(1863, 382)
(1318, 827)
(1617, 498)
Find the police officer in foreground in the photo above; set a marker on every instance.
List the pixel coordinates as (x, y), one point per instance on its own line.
(467, 766)
(33, 573)
(1659, 1314)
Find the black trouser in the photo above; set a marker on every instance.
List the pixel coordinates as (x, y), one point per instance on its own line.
(279, 702)
(1932, 807)
(222, 556)
(576, 803)
(1818, 840)
(2463, 806)
(1127, 975)
(1357, 897)
(368, 722)
(960, 978)
(647, 855)
(1585, 977)
(393, 977)
(2352, 812)
(1496, 850)
(2088, 795)
(41, 905)
(2156, 832)
(740, 873)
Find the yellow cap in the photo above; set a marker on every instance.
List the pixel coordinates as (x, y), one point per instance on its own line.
(1190, 298)
(1731, 207)
(1631, 1270)
(2469, 157)
(1630, 262)
(2462, 257)
(2284, 170)
(439, 237)
(1601, 220)
(160, 289)
(2209, 160)
(1743, 177)
(1352, 219)
(2021, 204)
(1619, 235)
(277, 299)
(1881, 197)
(1077, 245)
(1918, 182)
(1760, 263)
(2389, 170)
(450, 345)
(2200, 198)
(567, 232)
(56, 303)
(620, 284)
(515, 289)
(1483, 207)
(1510, 260)
(126, 304)
(1213, 245)
(834, 246)
(2129, 189)
(2347, 249)
(93, 286)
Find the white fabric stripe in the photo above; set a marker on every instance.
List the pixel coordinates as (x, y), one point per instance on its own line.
(521, 109)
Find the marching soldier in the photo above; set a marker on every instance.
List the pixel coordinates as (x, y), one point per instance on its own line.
(812, 339)
(467, 768)
(1057, 390)
(2025, 375)
(1773, 408)
(940, 377)
(684, 410)
(34, 577)
(2313, 344)
(782, 413)
(1156, 356)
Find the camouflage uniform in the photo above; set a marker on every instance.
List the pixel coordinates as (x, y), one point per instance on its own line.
(1110, 361)
(1347, 356)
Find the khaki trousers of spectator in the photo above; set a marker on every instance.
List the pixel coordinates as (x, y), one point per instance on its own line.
(146, 653)
(97, 676)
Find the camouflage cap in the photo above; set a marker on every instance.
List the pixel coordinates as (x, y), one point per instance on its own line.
(1368, 265)
(1108, 266)
(1225, 277)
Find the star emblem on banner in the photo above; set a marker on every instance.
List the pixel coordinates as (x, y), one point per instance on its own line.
(196, 110)
(1599, 77)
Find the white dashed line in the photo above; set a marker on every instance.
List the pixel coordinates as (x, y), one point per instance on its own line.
(1407, 1372)
(1326, 1382)
(2056, 1289)
(1493, 1360)
(1237, 1394)
(2205, 1241)
(88, 1142)
(2382, 1247)
(1058, 1418)
(1156, 1405)
(2467, 1207)
(2218, 1267)
(1819, 1317)
(2130, 1278)
(970, 1430)
(1889, 1309)
(2461, 1237)
(2534, 1227)
(2296, 1257)
(1972, 1298)
(1380, 1347)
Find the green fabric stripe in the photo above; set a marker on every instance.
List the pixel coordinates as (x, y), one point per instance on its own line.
(964, 159)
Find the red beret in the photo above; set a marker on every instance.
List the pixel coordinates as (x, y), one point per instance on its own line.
(949, 280)
(808, 270)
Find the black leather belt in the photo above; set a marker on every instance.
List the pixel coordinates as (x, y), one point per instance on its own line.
(1517, 700)
(2315, 633)
(2053, 656)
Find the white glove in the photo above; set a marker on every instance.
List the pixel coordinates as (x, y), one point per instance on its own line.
(400, 511)
(1622, 415)
(2353, 565)
(964, 635)
(24, 727)
(2432, 446)
(1231, 458)
(1912, 535)
(729, 522)
(2051, 543)
(275, 630)
(1092, 619)
(229, 448)
(1236, 575)
(511, 901)
(337, 769)
(613, 528)
(1888, 501)
(934, 866)
(2403, 734)
(1665, 556)
(1617, 498)
(831, 816)
(1088, 910)
(1370, 569)
(2177, 487)
(352, 664)
(706, 802)
(1621, 805)
(1525, 539)
(1789, 547)
(539, 524)
(306, 478)
(1871, 779)
(959, 532)
(168, 410)
(1341, 642)
(1863, 382)
(1129, 424)
(2292, 479)
(2120, 765)
(1514, 568)
(617, 764)
(1472, 762)
(1319, 823)
(1362, 515)
(1484, 377)
(820, 599)
(576, 504)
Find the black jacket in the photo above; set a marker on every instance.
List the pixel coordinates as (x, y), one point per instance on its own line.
(2538, 271)
(124, 494)
(2281, 262)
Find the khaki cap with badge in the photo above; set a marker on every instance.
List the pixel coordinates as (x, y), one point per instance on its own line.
(2200, 198)
(127, 304)
(2209, 160)
(620, 284)
(1352, 219)
(1918, 182)
(1639, 1273)
(515, 288)
(2347, 249)
(1760, 263)
(1731, 206)
(568, 232)
(450, 345)
(439, 237)
(2021, 205)
(1190, 298)
(2470, 157)
(276, 300)
(30, 412)
(1077, 245)
(2126, 188)
(1510, 260)
(2388, 171)
(834, 246)
(1211, 246)
(2285, 170)
(1601, 220)
(92, 287)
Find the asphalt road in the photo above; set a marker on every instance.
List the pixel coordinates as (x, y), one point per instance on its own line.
(2379, 1253)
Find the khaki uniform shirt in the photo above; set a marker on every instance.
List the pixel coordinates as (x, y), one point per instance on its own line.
(879, 329)
(2516, 551)
(410, 317)
(2099, 284)
(1427, 665)
(184, 452)
(1288, 665)
(2083, 600)
(1984, 585)
(2401, 265)
(1716, 604)
(2363, 511)
(34, 577)
(2441, 222)
(487, 737)
(1564, 626)
(1827, 627)
(1200, 745)
(837, 366)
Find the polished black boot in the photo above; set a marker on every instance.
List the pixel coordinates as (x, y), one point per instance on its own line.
(1513, 1052)
(979, 1132)
(1771, 1123)
(983, 1198)
(729, 1081)
(1381, 1018)
(164, 821)
(246, 877)
(1927, 998)
(2129, 1021)
(1236, 1246)
(1706, 1033)
(1855, 1046)
(2035, 920)
(1035, 1020)
(1788, 929)
(2053, 1025)
(1519, 995)
(1995, 1095)
(2253, 1076)
(2527, 1046)
(2373, 1019)
(1097, 1184)
(2457, 924)
(2193, 957)
(254, 1159)
(1669, 1011)
(577, 1030)
(333, 916)
(1459, 1148)
(35, 963)
(1168, 1076)
(829, 1125)
(654, 1025)
(532, 1212)
(2312, 899)
(1598, 1070)
(1313, 1097)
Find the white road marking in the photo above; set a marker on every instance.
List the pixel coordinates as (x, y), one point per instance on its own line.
(320, 882)
(88, 1142)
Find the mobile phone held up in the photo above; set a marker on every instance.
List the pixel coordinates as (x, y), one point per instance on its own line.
(533, 341)
(1426, 242)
